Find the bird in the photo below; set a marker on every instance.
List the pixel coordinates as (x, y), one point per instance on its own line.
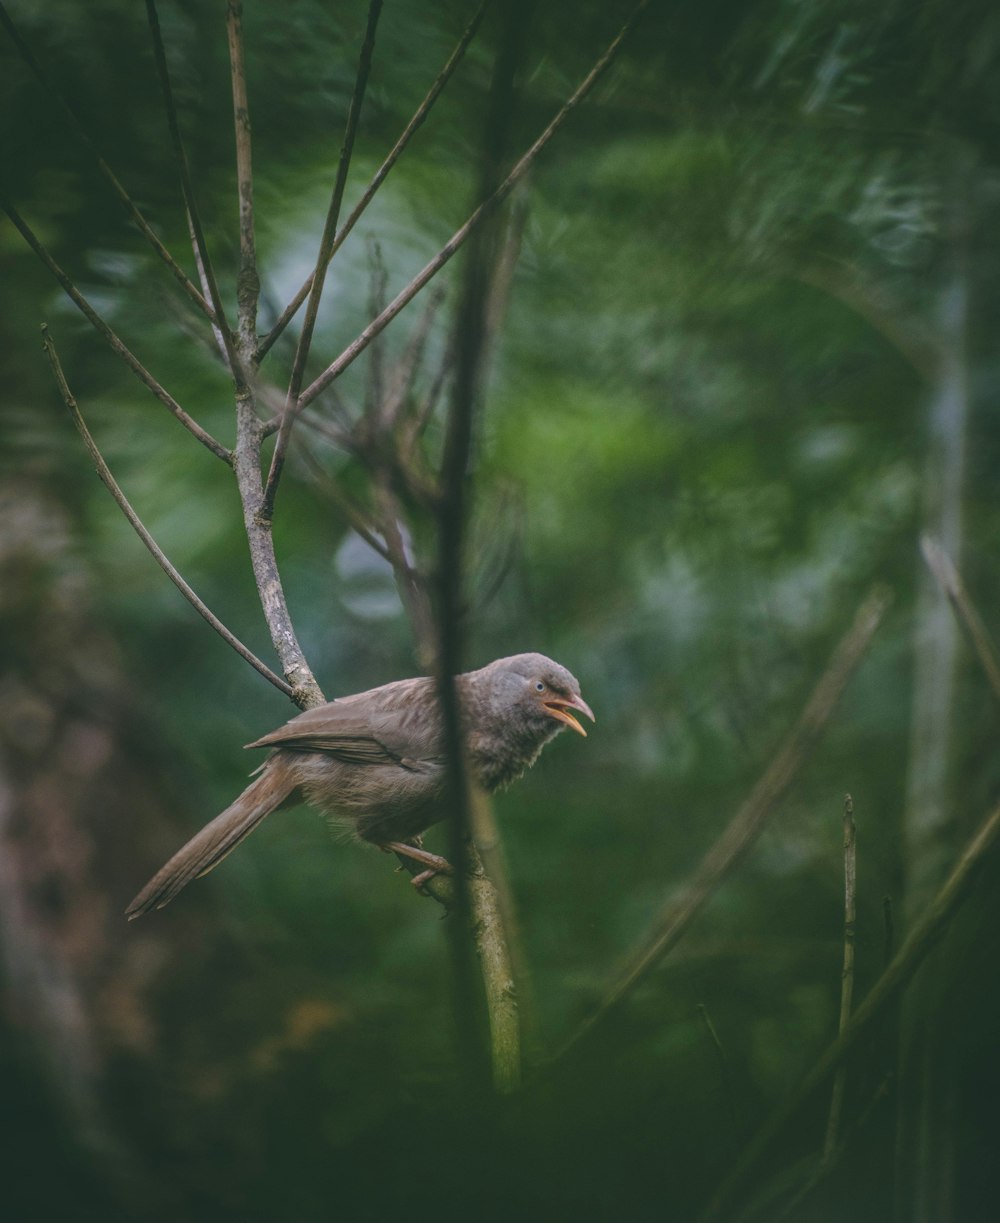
(374, 762)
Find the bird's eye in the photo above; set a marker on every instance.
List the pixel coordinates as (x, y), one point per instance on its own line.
(539, 687)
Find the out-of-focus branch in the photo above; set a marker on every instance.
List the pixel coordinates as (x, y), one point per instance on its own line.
(928, 929)
(379, 177)
(847, 973)
(911, 338)
(157, 553)
(292, 405)
(52, 91)
(116, 345)
(247, 280)
(452, 512)
(486, 208)
(948, 578)
(744, 828)
(187, 189)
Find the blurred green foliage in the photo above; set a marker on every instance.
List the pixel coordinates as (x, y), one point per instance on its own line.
(704, 439)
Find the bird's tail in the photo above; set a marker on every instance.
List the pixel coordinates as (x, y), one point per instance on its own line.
(207, 848)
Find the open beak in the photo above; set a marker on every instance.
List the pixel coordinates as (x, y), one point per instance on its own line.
(559, 708)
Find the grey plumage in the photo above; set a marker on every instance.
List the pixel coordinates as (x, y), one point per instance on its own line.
(374, 761)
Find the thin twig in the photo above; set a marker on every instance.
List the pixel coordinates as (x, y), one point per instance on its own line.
(888, 932)
(126, 508)
(187, 190)
(407, 368)
(117, 346)
(727, 1084)
(744, 828)
(292, 405)
(375, 384)
(929, 928)
(355, 516)
(247, 280)
(220, 341)
(379, 177)
(847, 973)
(52, 91)
(948, 578)
(821, 1169)
(917, 343)
(485, 209)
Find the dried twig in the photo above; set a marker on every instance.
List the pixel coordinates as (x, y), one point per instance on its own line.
(137, 525)
(926, 932)
(52, 91)
(948, 578)
(379, 177)
(744, 828)
(126, 354)
(292, 405)
(486, 208)
(247, 280)
(187, 189)
(847, 974)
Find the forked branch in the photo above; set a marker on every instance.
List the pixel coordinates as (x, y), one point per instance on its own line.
(485, 209)
(113, 341)
(322, 263)
(187, 189)
(52, 91)
(379, 176)
(123, 503)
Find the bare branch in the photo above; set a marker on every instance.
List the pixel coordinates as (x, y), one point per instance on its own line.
(355, 515)
(134, 364)
(187, 189)
(408, 366)
(746, 825)
(847, 974)
(375, 384)
(928, 929)
(292, 405)
(52, 90)
(126, 508)
(485, 209)
(247, 281)
(246, 466)
(948, 578)
(919, 346)
(380, 175)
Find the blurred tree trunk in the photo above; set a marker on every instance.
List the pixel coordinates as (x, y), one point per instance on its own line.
(928, 1086)
(76, 768)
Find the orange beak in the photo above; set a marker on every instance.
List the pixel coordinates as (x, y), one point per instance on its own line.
(559, 708)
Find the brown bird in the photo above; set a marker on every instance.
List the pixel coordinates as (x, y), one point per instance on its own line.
(374, 762)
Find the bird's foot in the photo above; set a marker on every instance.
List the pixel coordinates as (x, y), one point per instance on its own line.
(435, 864)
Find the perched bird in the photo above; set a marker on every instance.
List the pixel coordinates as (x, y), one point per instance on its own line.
(375, 763)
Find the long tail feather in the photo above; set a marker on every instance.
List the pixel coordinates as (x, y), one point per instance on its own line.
(207, 848)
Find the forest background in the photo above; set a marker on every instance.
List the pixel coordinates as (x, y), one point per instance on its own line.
(741, 359)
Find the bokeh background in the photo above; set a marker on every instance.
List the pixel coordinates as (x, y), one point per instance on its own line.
(747, 356)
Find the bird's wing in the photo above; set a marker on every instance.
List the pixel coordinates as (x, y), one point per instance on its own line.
(355, 732)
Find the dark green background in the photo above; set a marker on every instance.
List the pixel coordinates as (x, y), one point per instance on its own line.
(705, 437)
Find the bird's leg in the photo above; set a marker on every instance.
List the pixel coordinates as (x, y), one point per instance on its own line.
(436, 865)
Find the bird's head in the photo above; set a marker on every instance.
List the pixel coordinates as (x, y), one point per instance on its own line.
(536, 691)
